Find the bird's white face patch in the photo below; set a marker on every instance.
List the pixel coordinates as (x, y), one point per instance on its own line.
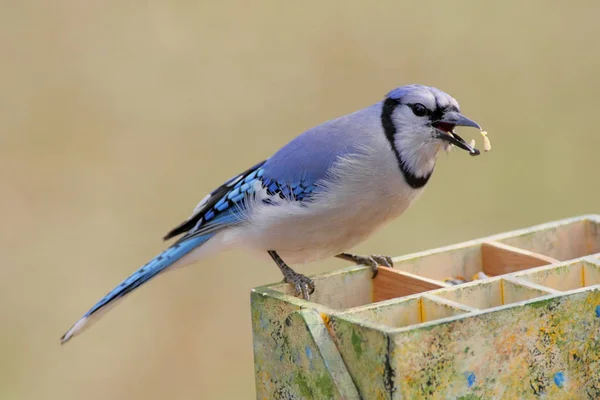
(416, 138)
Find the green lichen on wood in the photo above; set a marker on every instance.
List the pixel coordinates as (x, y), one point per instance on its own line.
(303, 388)
(365, 352)
(315, 386)
(325, 386)
(321, 371)
(271, 344)
(357, 343)
(510, 353)
(469, 397)
(295, 358)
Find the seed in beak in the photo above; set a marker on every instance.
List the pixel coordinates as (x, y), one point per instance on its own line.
(487, 145)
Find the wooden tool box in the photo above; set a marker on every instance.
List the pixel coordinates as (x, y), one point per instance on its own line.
(530, 330)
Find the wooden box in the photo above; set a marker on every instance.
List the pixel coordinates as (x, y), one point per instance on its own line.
(531, 330)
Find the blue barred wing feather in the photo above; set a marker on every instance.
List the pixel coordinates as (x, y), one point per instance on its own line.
(224, 206)
(216, 202)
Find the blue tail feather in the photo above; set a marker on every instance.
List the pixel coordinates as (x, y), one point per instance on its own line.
(157, 265)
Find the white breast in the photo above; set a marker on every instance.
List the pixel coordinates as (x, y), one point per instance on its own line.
(362, 192)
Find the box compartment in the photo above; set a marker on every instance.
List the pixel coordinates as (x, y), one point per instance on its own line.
(492, 293)
(398, 313)
(564, 277)
(464, 261)
(563, 242)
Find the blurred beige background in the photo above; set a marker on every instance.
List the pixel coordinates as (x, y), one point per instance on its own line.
(117, 117)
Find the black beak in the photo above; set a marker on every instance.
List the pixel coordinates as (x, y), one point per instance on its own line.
(450, 120)
(457, 119)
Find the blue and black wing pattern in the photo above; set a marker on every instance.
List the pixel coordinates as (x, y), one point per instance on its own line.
(222, 206)
(219, 201)
(299, 191)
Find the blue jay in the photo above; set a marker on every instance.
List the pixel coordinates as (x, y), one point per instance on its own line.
(321, 194)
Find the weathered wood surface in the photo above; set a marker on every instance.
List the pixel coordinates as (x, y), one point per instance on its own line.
(532, 330)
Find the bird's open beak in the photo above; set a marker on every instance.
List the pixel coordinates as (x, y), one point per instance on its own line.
(445, 127)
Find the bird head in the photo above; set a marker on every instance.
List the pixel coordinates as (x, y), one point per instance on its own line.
(420, 121)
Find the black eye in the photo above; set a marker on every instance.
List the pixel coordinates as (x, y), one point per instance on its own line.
(419, 110)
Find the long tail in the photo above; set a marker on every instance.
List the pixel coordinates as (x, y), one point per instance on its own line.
(157, 265)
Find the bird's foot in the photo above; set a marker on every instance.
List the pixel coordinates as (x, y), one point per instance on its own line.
(373, 261)
(303, 285)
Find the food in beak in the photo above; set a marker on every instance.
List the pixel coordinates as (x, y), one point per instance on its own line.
(487, 145)
(446, 131)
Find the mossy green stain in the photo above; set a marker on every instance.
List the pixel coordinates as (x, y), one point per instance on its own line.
(357, 343)
(541, 303)
(322, 383)
(300, 381)
(427, 328)
(325, 386)
(469, 396)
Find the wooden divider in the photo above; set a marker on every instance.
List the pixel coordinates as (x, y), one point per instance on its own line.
(391, 283)
(514, 291)
(437, 308)
(406, 311)
(528, 284)
(500, 259)
(563, 278)
(491, 293)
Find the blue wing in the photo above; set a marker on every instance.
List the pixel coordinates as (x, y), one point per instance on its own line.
(307, 158)
(225, 205)
(221, 207)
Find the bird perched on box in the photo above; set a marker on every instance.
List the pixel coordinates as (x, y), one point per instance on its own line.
(319, 195)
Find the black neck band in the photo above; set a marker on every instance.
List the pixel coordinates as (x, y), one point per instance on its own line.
(389, 128)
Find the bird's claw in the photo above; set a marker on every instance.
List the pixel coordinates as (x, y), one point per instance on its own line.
(385, 261)
(373, 261)
(302, 284)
